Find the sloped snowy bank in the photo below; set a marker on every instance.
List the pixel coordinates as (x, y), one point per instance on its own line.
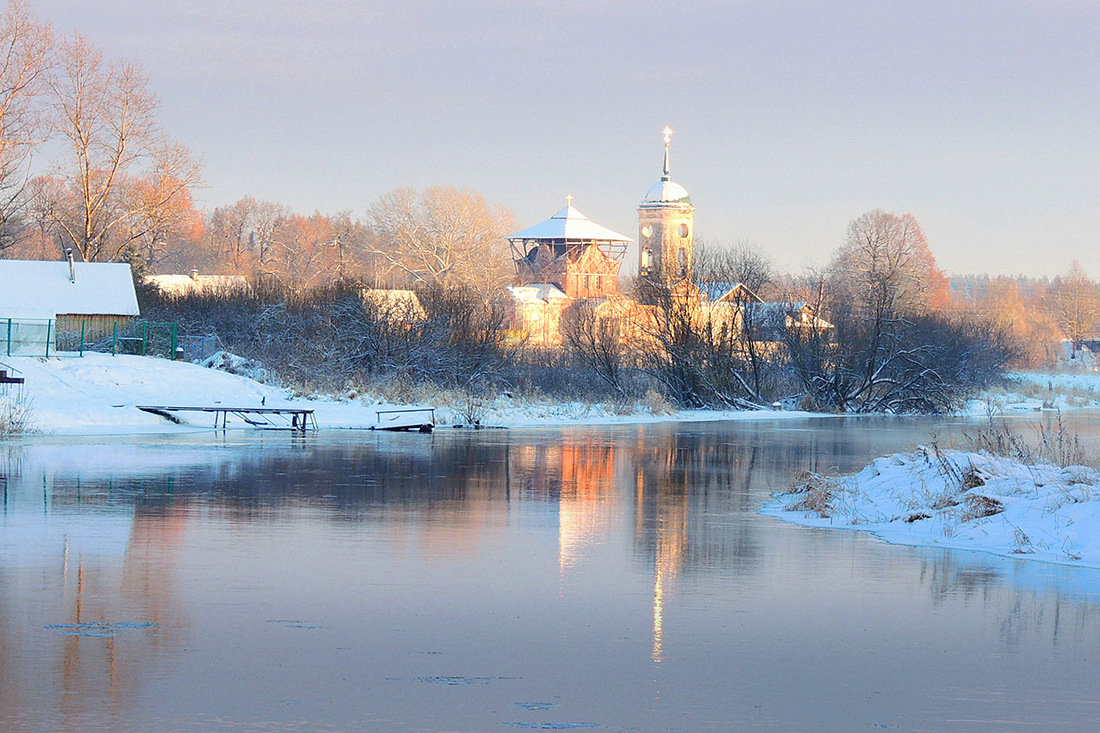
(99, 394)
(958, 499)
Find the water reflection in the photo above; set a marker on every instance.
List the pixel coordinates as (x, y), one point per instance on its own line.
(118, 561)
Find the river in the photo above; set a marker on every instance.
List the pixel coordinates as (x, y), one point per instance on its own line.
(604, 578)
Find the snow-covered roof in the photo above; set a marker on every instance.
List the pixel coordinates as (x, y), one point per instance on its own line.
(570, 224)
(36, 289)
(196, 283)
(666, 191)
(717, 291)
(537, 291)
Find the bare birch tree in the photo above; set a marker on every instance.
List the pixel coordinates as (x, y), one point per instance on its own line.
(107, 115)
(26, 52)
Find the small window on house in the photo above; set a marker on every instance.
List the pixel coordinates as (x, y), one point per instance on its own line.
(586, 282)
(597, 282)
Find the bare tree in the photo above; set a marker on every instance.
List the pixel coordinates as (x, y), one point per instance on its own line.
(1076, 304)
(441, 237)
(26, 52)
(740, 263)
(597, 343)
(734, 331)
(107, 114)
(891, 348)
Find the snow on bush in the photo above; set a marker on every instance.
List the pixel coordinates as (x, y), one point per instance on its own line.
(234, 364)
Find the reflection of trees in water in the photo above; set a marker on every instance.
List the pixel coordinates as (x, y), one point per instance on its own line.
(1037, 601)
(73, 634)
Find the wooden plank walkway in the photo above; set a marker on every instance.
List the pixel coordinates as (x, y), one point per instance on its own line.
(295, 418)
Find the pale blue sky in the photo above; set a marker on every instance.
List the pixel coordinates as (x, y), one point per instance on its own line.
(791, 118)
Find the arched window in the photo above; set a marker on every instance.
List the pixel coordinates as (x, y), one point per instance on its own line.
(682, 257)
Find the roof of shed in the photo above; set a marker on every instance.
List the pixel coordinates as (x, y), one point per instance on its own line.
(37, 289)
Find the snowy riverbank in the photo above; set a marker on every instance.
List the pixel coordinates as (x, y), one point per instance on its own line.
(960, 500)
(98, 394)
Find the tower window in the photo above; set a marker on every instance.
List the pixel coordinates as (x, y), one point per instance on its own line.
(683, 230)
(682, 257)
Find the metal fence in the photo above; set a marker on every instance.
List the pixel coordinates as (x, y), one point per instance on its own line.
(27, 336)
(197, 348)
(51, 337)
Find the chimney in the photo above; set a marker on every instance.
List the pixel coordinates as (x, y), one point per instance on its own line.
(194, 274)
(72, 268)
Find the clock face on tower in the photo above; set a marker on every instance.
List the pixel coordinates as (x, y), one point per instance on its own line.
(647, 231)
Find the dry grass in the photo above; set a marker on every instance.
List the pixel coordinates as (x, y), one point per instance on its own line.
(977, 506)
(1051, 443)
(16, 415)
(815, 493)
(656, 403)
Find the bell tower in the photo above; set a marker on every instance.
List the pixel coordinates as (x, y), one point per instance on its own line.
(666, 229)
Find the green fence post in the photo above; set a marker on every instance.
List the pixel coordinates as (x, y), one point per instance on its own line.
(9, 337)
(82, 322)
(172, 355)
(144, 335)
(114, 338)
(49, 328)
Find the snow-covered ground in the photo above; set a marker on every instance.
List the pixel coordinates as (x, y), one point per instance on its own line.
(958, 499)
(98, 394)
(1029, 391)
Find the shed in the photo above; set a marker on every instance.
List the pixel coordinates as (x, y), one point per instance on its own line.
(72, 295)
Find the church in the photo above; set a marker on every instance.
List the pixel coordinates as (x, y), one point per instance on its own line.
(570, 258)
(569, 262)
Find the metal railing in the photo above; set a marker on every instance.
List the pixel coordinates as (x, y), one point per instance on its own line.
(70, 336)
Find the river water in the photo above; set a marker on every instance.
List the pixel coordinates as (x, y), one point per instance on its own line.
(604, 578)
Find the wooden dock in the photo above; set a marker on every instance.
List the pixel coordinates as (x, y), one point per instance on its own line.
(420, 419)
(293, 418)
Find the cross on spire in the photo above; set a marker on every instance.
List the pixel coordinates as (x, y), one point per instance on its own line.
(569, 200)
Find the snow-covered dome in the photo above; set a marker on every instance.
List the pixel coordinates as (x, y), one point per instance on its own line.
(666, 191)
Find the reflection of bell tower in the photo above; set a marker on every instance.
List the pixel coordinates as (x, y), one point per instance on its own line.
(666, 229)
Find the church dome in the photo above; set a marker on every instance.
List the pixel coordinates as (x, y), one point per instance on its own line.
(666, 191)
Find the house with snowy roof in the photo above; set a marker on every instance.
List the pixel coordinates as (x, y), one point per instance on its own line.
(195, 284)
(40, 299)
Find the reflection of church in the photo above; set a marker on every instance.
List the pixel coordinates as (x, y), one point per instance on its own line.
(569, 260)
